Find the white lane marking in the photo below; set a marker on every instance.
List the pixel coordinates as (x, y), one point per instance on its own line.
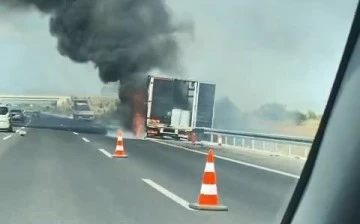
(105, 152)
(18, 130)
(168, 194)
(231, 160)
(7, 137)
(75, 133)
(61, 125)
(28, 123)
(85, 139)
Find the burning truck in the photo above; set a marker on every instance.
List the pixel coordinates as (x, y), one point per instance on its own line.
(123, 51)
(174, 107)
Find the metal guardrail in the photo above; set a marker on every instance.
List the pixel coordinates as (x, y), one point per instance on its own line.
(280, 144)
(272, 137)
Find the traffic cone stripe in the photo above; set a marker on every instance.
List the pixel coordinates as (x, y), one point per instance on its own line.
(120, 138)
(208, 189)
(208, 200)
(119, 148)
(209, 167)
(209, 178)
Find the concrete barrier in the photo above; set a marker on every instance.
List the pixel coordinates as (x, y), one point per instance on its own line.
(57, 115)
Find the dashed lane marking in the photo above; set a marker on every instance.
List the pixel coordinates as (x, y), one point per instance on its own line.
(85, 139)
(27, 123)
(7, 137)
(106, 153)
(168, 194)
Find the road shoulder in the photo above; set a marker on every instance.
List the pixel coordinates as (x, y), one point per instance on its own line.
(289, 165)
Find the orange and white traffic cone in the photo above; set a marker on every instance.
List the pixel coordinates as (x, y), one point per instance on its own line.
(119, 149)
(209, 199)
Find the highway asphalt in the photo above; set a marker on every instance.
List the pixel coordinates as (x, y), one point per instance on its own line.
(291, 165)
(59, 123)
(63, 176)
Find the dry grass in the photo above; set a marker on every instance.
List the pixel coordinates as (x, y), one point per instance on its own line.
(102, 105)
(307, 129)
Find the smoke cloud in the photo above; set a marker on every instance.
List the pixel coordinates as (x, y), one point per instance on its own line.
(125, 39)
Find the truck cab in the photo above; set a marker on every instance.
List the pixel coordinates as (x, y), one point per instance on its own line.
(81, 110)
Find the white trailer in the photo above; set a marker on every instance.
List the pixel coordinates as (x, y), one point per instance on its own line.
(176, 106)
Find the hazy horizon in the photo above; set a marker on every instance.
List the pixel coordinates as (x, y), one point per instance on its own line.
(256, 53)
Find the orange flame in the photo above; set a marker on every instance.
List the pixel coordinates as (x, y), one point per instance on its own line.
(138, 113)
(138, 125)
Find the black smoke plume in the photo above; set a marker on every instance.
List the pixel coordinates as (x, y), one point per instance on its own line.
(124, 39)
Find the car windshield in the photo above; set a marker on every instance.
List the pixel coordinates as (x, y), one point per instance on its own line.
(16, 111)
(82, 107)
(154, 109)
(3, 110)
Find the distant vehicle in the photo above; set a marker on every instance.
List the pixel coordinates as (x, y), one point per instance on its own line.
(176, 107)
(81, 109)
(5, 119)
(17, 115)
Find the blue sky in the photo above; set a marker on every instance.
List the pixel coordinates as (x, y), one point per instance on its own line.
(277, 51)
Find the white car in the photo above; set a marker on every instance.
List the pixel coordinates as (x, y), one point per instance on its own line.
(5, 118)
